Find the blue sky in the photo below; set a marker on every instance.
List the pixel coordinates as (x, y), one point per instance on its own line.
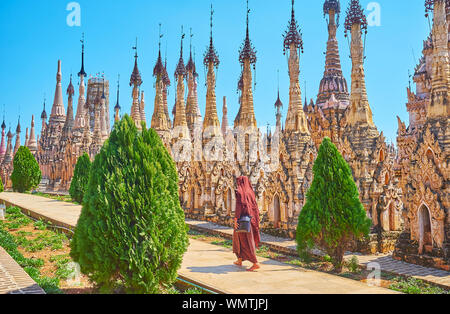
(35, 35)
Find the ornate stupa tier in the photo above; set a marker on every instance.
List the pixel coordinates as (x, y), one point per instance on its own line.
(69, 123)
(247, 57)
(159, 119)
(9, 152)
(180, 121)
(135, 79)
(180, 109)
(296, 119)
(246, 116)
(58, 114)
(360, 112)
(142, 107)
(193, 115)
(80, 122)
(224, 117)
(18, 131)
(211, 55)
(136, 82)
(211, 118)
(333, 81)
(440, 80)
(211, 123)
(3, 143)
(32, 144)
(167, 83)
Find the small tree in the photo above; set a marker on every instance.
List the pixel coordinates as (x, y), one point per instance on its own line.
(131, 233)
(80, 178)
(1, 185)
(26, 174)
(333, 214)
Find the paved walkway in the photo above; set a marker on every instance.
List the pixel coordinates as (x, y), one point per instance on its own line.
(214, 267)
(61, 214)
(13, 279)
(66, 215)
(386, 262)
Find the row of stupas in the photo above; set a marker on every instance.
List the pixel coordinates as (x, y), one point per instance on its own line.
(64, 137)
(209, 155)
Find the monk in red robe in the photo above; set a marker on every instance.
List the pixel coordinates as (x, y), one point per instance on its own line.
(245, 244)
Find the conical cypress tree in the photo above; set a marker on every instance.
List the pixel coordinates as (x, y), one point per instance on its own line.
(131, 235)
(80, 178)
(26, 174)
(333, 214)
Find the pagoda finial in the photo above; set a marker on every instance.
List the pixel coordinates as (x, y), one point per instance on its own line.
(429, 6)
(103, 92)
(247, 51)
(3, 124)
(190, 40)
(293, 34)
(44, 113)
(135, 76)
(136, 49)
(117, 107)
(18, 129)
(82, 72)
(211, 53)
(182, 38)
(248, 12)
(160, 36)
(355, 15)
(211, 21)
(181, 69)
(332, 5)
(158, 70)
(278, 103)
(70, 88)
(190, 67)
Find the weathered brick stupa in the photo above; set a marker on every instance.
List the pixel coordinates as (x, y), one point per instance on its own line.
(347, 120)
(424, 151)
(64, 137)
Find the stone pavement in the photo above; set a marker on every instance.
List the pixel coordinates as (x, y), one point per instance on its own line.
(13, 279)
(61, 214)
(386, 262)
(66, 215)
(214, 267)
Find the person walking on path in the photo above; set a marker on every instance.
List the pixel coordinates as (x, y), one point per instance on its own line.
(245, 243)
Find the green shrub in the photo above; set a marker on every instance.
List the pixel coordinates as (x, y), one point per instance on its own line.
(353, 265)
(16, 218)
(40, 225)
(333, 214)
(80, 178)
(26, 174)
(131, 235)
(1, 185)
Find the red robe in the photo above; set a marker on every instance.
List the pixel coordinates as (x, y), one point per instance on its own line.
(245, 244)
